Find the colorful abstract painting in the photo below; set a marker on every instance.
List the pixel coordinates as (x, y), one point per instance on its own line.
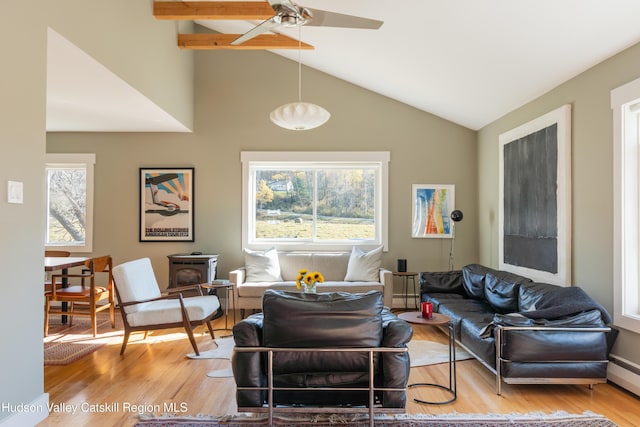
(432, 207)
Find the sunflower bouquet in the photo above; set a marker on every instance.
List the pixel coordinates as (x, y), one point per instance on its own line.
(308, 280)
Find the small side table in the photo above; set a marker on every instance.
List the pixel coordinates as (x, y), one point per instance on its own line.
(406, 275)
(437, 320)
(224, 284)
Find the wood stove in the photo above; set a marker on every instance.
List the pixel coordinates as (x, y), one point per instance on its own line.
(189, 269)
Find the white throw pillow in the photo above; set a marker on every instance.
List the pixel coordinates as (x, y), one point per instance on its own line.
(262, 266)
(364, 266)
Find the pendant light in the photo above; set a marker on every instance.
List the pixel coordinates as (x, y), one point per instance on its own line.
(299, 115)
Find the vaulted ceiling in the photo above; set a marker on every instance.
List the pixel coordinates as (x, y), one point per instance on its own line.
(467, 61)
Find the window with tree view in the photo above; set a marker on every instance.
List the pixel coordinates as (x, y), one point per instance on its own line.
(323, 202)
(69, 190)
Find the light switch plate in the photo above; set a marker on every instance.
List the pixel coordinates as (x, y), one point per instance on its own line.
(14, 192)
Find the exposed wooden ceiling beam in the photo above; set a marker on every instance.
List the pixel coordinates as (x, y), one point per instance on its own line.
(192, 10)
(223, 42)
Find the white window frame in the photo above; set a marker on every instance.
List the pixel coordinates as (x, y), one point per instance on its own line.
(625, 103)
(275, 159)
(71, 160)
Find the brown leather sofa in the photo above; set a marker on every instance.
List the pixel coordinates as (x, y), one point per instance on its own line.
(524, 332)
(325, 320)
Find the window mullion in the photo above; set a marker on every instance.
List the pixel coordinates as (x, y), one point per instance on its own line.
(314, 235)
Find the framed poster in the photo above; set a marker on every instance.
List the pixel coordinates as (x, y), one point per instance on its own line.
(535, 198)
(166, 205)
(432, 207)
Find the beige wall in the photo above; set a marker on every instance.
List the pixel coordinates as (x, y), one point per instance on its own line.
(118, 32)
(235, 91)
(22, 138)
(592, 178)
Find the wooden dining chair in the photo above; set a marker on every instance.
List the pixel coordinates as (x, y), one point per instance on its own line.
(53, 254)
(83, 298)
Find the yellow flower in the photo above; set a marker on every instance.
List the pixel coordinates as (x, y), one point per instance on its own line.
(300, 278)
(309, 279)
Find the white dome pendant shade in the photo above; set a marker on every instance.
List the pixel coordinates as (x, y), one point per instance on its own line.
(299, 115)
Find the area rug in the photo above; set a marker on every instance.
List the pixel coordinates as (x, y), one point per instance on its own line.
(537, 419)
(423, 352)
(66, 344)
(223, 351)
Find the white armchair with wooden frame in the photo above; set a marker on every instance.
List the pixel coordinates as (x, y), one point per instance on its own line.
(144, 307)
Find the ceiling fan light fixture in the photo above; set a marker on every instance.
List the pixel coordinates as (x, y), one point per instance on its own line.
(299, 116)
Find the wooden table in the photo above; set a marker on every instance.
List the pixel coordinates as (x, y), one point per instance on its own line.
(437, 320)
(64, 264)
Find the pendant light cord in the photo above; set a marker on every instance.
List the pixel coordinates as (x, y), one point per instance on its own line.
(299, 62)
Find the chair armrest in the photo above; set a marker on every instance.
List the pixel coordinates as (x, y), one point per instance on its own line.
(178, 289)
(56, 277)
(237, 276)
(551, 343)
(395, 332)
(247, 367)
(395, 366)
(386, 279)
(163, 297)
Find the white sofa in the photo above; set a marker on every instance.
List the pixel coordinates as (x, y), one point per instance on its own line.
(333, 266)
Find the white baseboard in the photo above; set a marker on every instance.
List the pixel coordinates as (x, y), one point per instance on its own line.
(27, 414)
(624, 373)
(398, 302)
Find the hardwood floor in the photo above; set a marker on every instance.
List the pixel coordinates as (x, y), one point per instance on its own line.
(110, 390)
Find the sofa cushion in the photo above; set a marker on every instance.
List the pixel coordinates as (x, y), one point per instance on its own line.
(337, 319)
(257, 289)
(471, 337)
(442, 282)
(502, 290)
(460, 308)
(262, 266)
(473, 279)
(333, 266)
(559, 301)
(364, 266)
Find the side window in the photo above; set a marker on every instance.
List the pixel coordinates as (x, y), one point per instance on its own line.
(625, 103)
(69, 204)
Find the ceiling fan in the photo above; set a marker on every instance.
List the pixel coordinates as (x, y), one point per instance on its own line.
(289, 14)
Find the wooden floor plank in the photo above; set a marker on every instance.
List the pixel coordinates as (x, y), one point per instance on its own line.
(156, 371)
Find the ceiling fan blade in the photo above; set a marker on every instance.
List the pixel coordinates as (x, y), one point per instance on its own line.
(265, 26)
(323, 18)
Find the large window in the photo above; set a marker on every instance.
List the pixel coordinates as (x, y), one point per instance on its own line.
(625, 102)
(69, 191)
(314, 200)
